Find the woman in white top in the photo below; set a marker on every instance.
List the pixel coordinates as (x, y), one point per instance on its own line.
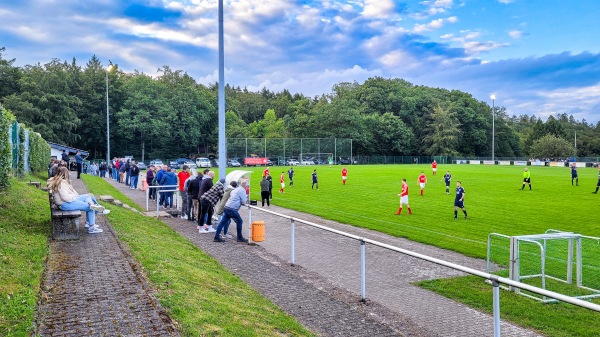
(68, 199)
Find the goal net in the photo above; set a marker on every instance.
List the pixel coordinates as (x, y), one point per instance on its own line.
(563, 262)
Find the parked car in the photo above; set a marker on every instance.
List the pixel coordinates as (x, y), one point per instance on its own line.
(141, 166)
(233, 163)
(174, 165)
(269, 162)
(307, 162)
(292, 162)
(156, 162)
(189, 164)
(202, 162)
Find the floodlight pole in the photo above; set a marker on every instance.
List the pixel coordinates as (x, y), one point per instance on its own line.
(222, 139)
(493, 97)
(107, 120)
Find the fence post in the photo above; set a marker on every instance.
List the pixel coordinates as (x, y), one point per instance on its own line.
(147, 197)
(363, 271)
(496, 291)
(249, 224)
(157, 199)
(292, 257)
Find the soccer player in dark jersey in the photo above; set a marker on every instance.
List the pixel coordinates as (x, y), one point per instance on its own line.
(598, 184)
(447, 178)
(574, 175)
(459, 200)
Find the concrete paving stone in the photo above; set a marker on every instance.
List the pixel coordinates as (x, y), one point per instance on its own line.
(89, 285)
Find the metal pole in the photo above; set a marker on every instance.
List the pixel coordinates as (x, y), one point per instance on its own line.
(496, 292)
(363, 271)
(493, 128)
(292, 257)
(147, 197)
(157, 199)
(107, 122)
(222, 139)
(249, 224)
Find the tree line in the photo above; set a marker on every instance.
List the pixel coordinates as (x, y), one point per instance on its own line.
(170, 115)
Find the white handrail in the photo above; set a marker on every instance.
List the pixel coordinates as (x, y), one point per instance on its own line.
(488, 276)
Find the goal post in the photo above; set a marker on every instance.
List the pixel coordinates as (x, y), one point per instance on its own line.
(563, 262)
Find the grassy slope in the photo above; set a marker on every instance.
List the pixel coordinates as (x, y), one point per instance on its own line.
(24, 229)
(198, 293)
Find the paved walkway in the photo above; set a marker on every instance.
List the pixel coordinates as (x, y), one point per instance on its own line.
(322, 291)
(91, 288)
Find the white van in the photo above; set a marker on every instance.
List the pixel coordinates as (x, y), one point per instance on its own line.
(202, 162)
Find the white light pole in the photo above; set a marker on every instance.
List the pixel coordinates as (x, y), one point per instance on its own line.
(107, 119)
(493, 97)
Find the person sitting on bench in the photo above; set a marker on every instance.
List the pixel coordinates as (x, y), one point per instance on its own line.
(67, 199)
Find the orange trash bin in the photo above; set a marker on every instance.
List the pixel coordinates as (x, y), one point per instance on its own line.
(258, 231)
(144, 185)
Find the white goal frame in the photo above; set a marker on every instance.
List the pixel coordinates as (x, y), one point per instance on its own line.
(574, 250)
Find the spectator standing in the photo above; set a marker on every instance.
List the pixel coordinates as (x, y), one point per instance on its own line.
(160, 172)
(193, 189)
(149, 179)
(103, 169)
(221, 206)
(237, 198)
(65, 157)
(122, 173)
(205, 185)
(127, 172)
(182, 177)
(270, 179)
(208, 201)
(168, 179)
(79, 163)
(134, 173)
(264, 191)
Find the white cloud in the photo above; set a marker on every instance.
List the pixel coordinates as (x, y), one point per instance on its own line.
(515, 34)
(475, 47)
(505, 1)
(377, 9)
(434, 24)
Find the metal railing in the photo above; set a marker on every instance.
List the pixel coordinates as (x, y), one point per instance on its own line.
(173, 188)
(495, 280)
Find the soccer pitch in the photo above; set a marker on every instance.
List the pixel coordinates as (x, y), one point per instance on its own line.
(493, 200)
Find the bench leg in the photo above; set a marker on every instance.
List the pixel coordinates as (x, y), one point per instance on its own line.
(65, 228)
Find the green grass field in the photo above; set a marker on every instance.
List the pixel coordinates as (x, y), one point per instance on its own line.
(493, 201)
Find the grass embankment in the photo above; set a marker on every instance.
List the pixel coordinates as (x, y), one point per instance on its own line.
(24, 229)
(197, 292)
(494, 204)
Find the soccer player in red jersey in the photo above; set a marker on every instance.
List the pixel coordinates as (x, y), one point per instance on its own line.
(434, 167)
(266, 172)
(282, 181)
(404, 198)
(344, 175)
(422, 181)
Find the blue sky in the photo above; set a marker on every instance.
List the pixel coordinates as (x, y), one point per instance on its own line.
(537, 57)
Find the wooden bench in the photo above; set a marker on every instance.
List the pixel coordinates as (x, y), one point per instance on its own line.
(65, 224)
